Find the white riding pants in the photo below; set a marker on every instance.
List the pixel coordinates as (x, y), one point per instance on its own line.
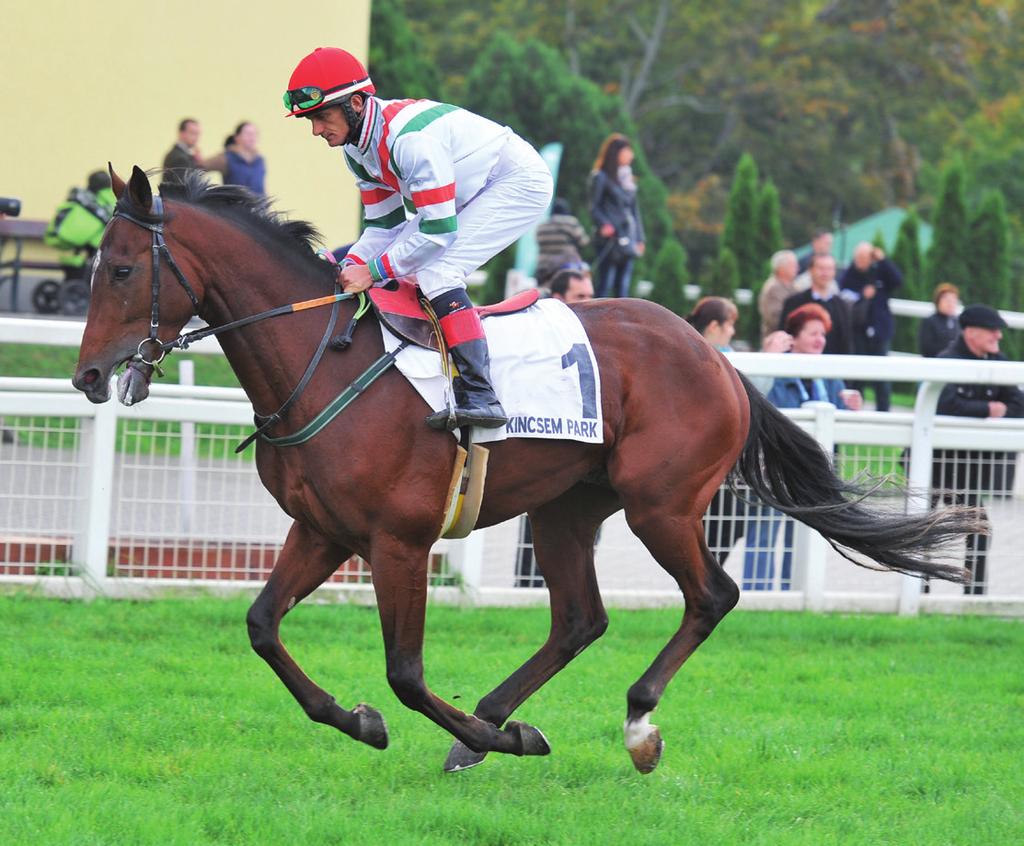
(515, 196)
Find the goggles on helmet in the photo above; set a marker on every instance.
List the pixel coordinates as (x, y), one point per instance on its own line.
(303, 98)
(312, 96)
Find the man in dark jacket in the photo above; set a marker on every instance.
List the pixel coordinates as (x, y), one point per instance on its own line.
(966, 476)
(868, 283)
(184, 155)
(822, 291)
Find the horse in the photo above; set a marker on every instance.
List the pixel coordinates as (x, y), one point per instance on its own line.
(374, 482)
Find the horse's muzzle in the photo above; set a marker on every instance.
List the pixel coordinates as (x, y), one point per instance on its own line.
(93, 383)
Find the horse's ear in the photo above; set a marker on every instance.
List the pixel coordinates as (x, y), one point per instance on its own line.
(139, 189)
(116, 182)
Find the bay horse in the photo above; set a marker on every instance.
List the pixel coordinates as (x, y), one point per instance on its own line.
(677, 419)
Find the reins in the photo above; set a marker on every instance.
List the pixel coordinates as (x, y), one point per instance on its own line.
(184, 340)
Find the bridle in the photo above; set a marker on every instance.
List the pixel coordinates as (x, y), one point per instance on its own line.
(159, 248)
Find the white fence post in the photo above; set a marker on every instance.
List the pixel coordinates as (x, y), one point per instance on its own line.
(97, 452)
(187, 459)
(466, 557)
(812, 546)
(920, 480)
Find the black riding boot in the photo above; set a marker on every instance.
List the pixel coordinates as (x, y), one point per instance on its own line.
(476, 404)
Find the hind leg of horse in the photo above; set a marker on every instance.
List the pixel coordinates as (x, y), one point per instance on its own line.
(400, 584)
(306, 561)
(678, 545)
(563, 542)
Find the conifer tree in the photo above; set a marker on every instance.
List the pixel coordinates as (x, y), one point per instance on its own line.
(906, 255)
(724, 276)
(947, 258)
(739, 234)
(769, 230)
(989, 252)
(670, 276)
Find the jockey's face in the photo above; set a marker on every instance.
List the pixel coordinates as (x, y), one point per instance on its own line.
(329, 124)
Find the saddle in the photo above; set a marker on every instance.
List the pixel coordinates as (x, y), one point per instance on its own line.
(399, 305)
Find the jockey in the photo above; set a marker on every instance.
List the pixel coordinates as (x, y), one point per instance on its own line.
(443, 191)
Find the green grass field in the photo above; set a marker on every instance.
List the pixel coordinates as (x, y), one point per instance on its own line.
(153, 723)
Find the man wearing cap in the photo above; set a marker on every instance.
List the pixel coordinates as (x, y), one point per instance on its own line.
(443, 190)
(968, 475)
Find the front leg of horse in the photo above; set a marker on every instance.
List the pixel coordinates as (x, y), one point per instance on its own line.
(306, 561)
(401, 590)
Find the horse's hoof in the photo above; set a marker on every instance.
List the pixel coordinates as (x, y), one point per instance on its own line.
(461, 757)
(372, 728)
(530, 740)
(646, 753)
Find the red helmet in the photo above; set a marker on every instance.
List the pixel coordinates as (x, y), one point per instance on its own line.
(325, 75)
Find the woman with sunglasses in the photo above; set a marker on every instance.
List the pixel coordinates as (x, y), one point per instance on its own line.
(443, 190)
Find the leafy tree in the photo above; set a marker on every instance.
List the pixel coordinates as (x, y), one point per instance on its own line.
(947, 258)
(670, 276)
(989, 254)
(397, 64)
(739, 234)
(529, 87)
(844, 103)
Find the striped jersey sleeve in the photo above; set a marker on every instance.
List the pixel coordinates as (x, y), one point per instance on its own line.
(426, 167)
(383, 217)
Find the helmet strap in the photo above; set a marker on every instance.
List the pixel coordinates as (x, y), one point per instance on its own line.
(352, 118)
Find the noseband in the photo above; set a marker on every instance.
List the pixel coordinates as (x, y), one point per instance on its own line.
(159, 248)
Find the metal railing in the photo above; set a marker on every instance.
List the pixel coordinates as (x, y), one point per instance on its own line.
(127, 501)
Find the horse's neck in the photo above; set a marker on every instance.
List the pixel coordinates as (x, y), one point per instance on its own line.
(268, 356)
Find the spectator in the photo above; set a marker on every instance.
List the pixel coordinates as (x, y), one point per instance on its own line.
(776, 289)
(965, 476)
(937, 332)
(184, 155)
(559, 242)
(241, 162)
(825, 292)
(715, 319)
(868, 283)
(572, 286)
(619, 239)
(821, 245)
(808, 326)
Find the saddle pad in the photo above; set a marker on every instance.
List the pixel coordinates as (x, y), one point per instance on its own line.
(543, 369)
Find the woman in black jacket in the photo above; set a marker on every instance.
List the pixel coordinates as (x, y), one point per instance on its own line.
(619, 238)
(937, 332)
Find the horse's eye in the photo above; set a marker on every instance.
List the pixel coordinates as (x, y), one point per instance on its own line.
(121, 273)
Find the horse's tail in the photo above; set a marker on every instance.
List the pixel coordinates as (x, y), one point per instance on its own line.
(788, 470)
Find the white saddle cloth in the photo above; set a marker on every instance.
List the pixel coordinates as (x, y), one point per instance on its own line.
(543, 369)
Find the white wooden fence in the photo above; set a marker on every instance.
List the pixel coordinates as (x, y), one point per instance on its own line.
(144, 500)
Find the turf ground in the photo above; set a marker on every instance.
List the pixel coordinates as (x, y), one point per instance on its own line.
(153, 723)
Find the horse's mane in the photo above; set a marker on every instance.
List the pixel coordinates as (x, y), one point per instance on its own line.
(242, 207)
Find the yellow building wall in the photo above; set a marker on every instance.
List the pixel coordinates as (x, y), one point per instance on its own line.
(85, 83)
